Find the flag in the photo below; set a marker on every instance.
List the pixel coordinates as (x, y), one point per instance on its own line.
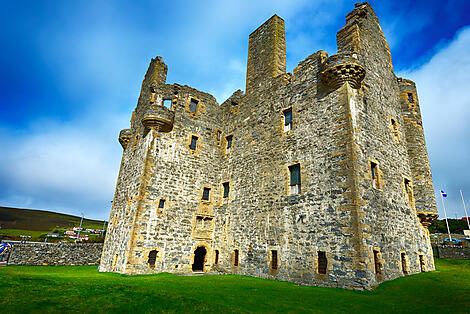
(444, 194)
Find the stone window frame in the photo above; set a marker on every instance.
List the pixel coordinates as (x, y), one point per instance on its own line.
(225, 142)
(236, 258)
(216, 256)
(378, 261)
(199, 105)
(411, 105)
(271, 259)
(408, 192)
(172, 102)
(211, 194)
(161, 211)
(404, 263)
(328, 263)
(187, 144)
(422, 263)
(378, 183)
(225, 200)
(216, 135)
(205, 219)
(394, 129)
(287, 180)
(158, 257)
(283, 132)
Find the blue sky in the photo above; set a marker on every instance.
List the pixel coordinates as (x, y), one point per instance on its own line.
(71, 74)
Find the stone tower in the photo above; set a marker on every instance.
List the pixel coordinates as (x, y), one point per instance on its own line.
(318, 177)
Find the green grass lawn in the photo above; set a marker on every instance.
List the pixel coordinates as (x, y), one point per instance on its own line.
(74, 289)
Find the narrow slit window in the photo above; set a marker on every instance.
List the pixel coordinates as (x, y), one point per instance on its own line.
(226, 189)
(376, 262)
(403, 264)
(229, 143)
(193, 144)
(161, 206)
(322, 262)
(235, 258)
(219, 135)
(408, 191)
(294, 184)
(206, 194)
(274, 262)
(287, 119)
(216, 260)
(193, 105)
(410, 98)
(167, 103)
(152, 258)
(374, 169)
(421, 263)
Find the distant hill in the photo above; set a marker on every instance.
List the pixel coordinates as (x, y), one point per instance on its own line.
(41, 220)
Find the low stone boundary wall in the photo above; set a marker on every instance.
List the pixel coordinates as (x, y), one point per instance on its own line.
(451, 251)
(56, 254)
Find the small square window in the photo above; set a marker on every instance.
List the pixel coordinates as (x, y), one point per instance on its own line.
(193, 144)
(234, 103)
(161, 204)
(206, 194)
(167, 103)
(287, 119)
(193, 105)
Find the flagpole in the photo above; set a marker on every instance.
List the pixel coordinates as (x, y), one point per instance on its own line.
(445, 214)
(465, 208)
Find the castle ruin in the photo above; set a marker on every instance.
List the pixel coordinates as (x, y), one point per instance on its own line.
(319, 177)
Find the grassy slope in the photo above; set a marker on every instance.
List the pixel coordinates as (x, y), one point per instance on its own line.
(41, 220)
(81, 288)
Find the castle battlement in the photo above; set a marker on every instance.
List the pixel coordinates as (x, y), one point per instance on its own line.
(320, 176)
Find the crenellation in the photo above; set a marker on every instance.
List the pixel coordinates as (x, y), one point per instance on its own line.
(326, 168)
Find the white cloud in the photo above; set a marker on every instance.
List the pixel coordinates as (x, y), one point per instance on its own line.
(443, 88)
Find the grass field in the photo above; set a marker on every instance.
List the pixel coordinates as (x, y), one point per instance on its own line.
(73, 289)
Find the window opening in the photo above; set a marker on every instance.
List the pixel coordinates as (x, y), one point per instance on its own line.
(375, 175)
(421, 263)
(322, 262)
(193, 144)
(206, 194)
(287, 120)
(193, 105)
(403, 264)
(408, 190)
(161, 204)
(229, 144)
(219, 135)
(234, 103)
(152, 258)
(274, 263)
(207, 223)
(216, 261)
(167, 103)
(410, 98)
(235, 258)
(226, 189)
(199, 222)
(294, 185)
(376, 262)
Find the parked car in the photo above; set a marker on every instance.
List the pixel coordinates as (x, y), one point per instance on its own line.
(455, 241)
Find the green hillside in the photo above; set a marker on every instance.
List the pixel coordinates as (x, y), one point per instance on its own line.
(41, 220)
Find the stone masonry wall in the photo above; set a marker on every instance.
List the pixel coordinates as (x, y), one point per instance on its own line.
(55, 254)
(453, 251)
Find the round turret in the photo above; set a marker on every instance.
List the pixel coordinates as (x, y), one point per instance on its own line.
(124, 137)
(158, 118)
(341, 68)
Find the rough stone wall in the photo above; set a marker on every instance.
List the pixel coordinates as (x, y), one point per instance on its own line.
(55, 254)
(453, 251)
(342, 108)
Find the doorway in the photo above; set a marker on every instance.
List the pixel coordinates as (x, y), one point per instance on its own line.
(199, 258)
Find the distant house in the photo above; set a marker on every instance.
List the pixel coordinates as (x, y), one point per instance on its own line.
(77, 229)
(465, 218)
(53, 235)
(69, 232)
(90, 230)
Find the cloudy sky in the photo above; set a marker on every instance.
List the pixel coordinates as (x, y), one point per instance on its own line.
(71, 74)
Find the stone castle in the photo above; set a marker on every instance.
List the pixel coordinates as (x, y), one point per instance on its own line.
(318, 177)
